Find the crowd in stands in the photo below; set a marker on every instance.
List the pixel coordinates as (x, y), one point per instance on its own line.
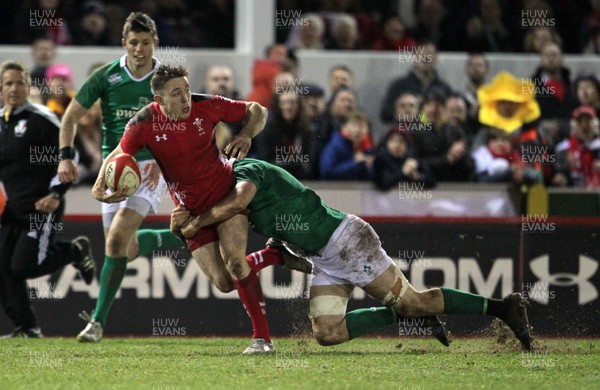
(543, 129)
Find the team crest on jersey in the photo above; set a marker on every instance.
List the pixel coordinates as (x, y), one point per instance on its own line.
(114, 78)
(21, 128)
(198, 123)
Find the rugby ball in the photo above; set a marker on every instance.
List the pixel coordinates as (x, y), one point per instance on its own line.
(122, 171)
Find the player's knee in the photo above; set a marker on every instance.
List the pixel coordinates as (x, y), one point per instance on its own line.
(329, 332)
(224, 284)
(115, 244)
(236, 269)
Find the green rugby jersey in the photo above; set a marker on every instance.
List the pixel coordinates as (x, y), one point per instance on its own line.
(121, 96)
(284, 208)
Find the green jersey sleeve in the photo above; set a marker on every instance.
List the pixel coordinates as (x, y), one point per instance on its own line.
(92, 89)
(252, 173)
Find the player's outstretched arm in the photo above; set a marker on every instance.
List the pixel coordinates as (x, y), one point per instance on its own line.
(256, 117)
(67, 171)
(234, 203)
(99, 188)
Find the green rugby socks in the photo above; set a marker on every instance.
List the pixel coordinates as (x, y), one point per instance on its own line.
(111, 277)
(362, 321)
(461, 302)
(153, 239)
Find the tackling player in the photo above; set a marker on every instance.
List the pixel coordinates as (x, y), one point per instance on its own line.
(123, 87)
(346, 252)
(178, 129)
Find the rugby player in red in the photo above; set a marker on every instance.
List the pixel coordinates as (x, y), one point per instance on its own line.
(178, 129)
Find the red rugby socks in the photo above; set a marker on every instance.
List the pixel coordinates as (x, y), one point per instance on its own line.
(264, 258)
(251, 296)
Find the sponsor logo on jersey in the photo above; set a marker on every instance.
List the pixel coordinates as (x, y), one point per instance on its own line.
(121, 113)
(162, 137)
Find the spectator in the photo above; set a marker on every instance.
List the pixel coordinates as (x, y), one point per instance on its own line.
(343, 102)
(43, 53)
(497, 162)
(264, 72)
(44, 19)
(456, 116)
(395, 163)
(314, 103)
(553, 93)
(477, 70)
(93, 29)
(537, 38)
(393, 36)
(286, 140)
(344, 34)
(587, 89)
(407, 108)
(309, 36)
(432, 21)
(441, 146)
(578, 157)
(177, 26)
(485, 31)
(592, 45)
(347, 156)
(509, 104)
(340, 76)
(419, 80)
(220, 81)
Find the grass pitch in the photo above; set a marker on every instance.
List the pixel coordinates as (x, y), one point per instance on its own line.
(299, 363)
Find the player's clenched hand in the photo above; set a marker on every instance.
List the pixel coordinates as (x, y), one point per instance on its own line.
(47, 204)
(99, 192)
(191, 228)
(238, 147)
(67, 171)
(151, 174)
(179, 217)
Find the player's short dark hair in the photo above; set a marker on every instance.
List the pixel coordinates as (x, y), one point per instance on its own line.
(139, 22)
(14, 65)
(163, 74)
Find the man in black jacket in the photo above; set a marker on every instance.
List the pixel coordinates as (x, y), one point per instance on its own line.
(419, 81)
(35, 205)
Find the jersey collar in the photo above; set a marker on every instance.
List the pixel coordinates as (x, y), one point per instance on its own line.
(123, 63)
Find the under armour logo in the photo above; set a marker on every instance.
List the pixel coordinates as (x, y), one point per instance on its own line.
(160, 137)
(540, 267)
(367, 269)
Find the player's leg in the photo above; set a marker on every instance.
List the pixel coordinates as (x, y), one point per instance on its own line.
(233, 237)
(13, 290)
(208, 258)
(396, 292)
(327, 313)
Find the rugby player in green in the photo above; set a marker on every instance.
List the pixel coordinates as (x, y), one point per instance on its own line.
(346, 252)
(123, 87)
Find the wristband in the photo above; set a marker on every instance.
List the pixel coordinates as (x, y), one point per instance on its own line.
(67, 153)
(55, 195)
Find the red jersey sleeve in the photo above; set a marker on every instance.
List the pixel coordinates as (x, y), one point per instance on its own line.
(228, 110)
(134, 137)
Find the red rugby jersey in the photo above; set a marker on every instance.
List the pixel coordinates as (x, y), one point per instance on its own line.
(197, 174)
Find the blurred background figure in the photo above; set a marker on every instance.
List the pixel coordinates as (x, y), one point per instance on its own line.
(287, 138)
(344, 34)
(393, 35)
(395, 163)
(92, 29)
(441, 146)
(314, 103)
(419, 80)
(477, 70)
(587, 91)
(43, 52)
(310, 36)
(348, 155)
(578, 157)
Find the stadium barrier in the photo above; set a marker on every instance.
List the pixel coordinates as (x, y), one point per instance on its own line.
(554, 261)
